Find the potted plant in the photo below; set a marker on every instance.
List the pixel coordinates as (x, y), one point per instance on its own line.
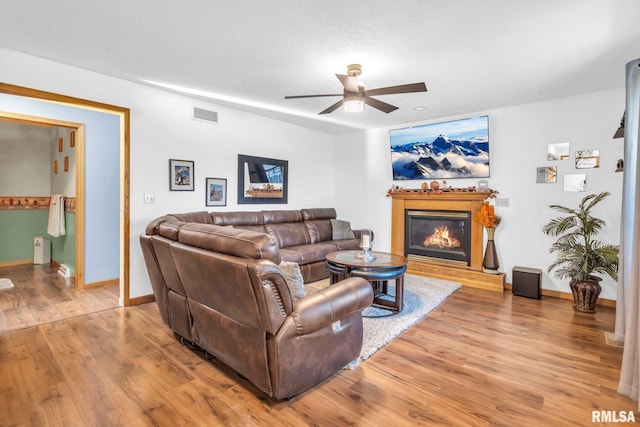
(579, 254)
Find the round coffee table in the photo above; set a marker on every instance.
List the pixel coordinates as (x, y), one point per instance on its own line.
(378, 272)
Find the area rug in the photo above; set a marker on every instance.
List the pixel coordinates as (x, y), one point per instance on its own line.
(380, 327)
(6, 284)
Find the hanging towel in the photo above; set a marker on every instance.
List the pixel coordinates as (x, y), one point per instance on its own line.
(56, 225)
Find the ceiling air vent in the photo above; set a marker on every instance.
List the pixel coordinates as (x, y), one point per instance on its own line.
(205, 115)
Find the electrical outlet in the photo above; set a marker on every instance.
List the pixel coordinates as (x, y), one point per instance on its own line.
(502, 202)
(149, 198)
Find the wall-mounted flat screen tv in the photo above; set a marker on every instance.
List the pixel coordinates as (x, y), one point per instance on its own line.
(454, 149)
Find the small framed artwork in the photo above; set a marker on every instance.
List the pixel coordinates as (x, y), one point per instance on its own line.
(60, 144)
(587, 159)
(66, 163)
(72, 139)
(575, 182)
(181, 175)
(55, 166)
(216, 189)
(546, 174)
(558, 151)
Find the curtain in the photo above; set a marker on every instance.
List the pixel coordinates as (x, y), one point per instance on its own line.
(627, 327)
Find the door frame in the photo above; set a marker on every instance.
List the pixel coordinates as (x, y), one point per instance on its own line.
(124, 115)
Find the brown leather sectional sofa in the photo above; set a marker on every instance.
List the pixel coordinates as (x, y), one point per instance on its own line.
(218, 285)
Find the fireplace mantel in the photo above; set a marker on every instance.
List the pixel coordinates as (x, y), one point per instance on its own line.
(471, 275)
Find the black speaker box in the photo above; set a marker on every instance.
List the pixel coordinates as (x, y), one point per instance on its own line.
(526, 282)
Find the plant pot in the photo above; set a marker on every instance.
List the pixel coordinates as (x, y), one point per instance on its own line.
(585, 294)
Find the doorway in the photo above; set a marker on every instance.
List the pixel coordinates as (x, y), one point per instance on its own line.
(123, 116)
(41, 176)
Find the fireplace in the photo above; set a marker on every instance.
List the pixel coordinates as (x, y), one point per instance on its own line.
(450, 215)
(437, 234)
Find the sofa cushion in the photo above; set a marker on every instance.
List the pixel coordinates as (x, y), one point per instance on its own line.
(201, 217)
(289, 234)
(241, 219)
(231, 241)
(318, 223)
(290, 256)
(293, 277)
(152, 227)
(307, 254)
(318, 213)
(278, 217)
(341, 230)
(169, 229)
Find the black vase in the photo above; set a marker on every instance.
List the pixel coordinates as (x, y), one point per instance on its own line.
(490, 261)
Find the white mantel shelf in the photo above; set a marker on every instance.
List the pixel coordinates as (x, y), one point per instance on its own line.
(471, 275)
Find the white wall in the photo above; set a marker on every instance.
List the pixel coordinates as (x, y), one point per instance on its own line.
(25, 161)
(518, 144)
(26, 164)
(162, 129)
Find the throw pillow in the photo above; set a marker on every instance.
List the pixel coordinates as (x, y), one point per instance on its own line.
(293, 277)
(341, 230)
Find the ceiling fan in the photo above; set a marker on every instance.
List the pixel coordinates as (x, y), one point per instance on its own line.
(354, 95)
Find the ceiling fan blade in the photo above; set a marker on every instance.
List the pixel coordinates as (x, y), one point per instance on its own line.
(311, 96)
(332, 108)
(382, 106)
(413, 87)
(350, 83)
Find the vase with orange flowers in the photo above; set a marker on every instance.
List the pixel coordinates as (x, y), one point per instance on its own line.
(486, 216)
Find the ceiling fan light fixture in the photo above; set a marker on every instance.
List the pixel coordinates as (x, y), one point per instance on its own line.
(353, 104)
(354, 95)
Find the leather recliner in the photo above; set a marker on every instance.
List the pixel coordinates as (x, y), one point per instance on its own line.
(220, 288)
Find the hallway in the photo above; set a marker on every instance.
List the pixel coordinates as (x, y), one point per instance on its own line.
(41, 295)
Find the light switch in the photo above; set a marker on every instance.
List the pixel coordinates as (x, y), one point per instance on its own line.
(149, 198)
(502, 202)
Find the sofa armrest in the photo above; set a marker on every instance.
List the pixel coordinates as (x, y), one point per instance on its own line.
(331, 304)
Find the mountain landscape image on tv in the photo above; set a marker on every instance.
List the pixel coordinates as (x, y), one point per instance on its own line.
(454, 149)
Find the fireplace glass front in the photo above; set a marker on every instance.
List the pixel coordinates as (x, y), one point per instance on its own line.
(442, 235)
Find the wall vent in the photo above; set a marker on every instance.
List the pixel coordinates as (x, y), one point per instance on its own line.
(205, 115)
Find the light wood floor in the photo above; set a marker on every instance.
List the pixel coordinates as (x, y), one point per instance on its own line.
(480, 359)
(41, 295)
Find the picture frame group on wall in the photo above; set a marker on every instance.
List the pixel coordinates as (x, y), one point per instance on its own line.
(262, 180)
(181, 175)
(216, 192)
(584, 159)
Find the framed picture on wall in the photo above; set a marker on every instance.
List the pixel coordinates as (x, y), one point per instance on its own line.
(216, 192)
(587, 159)
(262, 180)
(181, 175)
(546, 174)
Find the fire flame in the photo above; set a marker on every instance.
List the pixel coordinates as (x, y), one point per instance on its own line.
(441, 238)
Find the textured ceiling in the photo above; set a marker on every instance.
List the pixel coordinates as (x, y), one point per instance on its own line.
(473, 55)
